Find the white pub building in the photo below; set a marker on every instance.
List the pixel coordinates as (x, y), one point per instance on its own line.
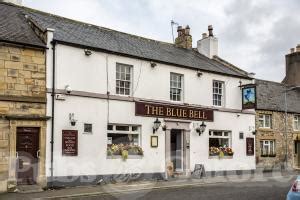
(128, 106)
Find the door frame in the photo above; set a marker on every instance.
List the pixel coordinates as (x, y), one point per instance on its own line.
(181, 132)
(13, 124)
(184, 126)
(35, 133)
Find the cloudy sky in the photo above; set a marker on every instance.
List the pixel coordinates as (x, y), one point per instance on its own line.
(254, 35)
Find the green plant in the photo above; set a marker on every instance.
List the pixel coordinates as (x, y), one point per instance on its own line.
(124, 154)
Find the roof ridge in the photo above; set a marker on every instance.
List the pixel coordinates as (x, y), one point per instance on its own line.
(270, 81)
(228, 64)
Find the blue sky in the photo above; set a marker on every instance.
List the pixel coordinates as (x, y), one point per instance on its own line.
(253, 35)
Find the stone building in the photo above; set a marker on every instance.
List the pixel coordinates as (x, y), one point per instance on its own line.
(278, 119)
(22, 102)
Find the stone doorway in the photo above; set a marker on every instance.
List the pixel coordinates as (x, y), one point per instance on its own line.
(27, 153)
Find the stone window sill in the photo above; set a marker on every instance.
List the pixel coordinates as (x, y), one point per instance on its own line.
(268, 156)
(265, 129)
(129, 157)
(218, 157)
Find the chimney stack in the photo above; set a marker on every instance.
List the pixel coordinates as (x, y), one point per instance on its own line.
(184, 39)
(17, 2)
(292, 76)
(208, 45)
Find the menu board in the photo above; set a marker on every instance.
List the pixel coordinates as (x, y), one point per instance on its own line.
(250, 146)
(70, 142)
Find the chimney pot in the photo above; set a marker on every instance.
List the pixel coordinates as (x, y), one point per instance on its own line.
(210, 31)
(208, 45)
(298, 48)
(184, 39)
(292, 50)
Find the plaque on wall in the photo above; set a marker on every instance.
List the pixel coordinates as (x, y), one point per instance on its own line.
(250, 146)
(70, 142)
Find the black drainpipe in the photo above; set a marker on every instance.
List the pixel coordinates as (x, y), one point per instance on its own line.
(52, 115)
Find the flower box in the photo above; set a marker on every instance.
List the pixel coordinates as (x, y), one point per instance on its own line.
(220, 151)
(124, 151)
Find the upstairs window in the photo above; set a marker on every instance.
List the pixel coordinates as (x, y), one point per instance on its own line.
(265, 120)
(218, 93)
(176, 87)
(297, 122)
(123, 79)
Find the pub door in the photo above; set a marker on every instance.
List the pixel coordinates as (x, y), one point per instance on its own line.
(177, 149)
(27, 149)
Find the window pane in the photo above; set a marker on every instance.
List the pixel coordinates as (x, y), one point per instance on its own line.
(267, 120)
(87, 128)
(122, 128)
(109, 127)
(175, 87)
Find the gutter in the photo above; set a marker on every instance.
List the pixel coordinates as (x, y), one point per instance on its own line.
(52, 111)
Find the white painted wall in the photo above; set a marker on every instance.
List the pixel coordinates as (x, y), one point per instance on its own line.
(88, 74)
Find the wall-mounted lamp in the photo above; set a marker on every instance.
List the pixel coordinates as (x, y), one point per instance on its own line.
(156, 125)
(164, 127)
(199, 74)
(153, 64)
(72, 119)
(87, 52)
(200, 129)
(68, 89)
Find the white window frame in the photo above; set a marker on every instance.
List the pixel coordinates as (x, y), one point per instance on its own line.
(130, 131)
(296, 122)
(220, 94)
(223, 136)
(177, 82)
(124, 81)
(267, 143)
(262, 118)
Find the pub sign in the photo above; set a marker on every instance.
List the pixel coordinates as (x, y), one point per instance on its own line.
(173, 111)
(70, 142)
(249, 97)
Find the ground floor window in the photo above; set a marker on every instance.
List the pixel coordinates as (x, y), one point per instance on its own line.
(123, 140)
(220, 143)
(267, 148)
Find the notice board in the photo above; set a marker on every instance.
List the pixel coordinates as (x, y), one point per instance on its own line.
(69, 142)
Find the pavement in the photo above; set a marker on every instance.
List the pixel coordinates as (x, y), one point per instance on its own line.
(281, 181)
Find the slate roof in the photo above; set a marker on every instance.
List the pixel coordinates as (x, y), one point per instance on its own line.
(14, 28)
(270, 96)
(75, 32)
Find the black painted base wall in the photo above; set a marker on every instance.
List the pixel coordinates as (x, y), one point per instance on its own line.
(71, 181)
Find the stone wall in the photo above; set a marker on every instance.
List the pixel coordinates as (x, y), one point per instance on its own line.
(22, 72)
(22, 93)
(277, 133)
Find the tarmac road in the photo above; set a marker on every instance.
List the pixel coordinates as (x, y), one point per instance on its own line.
(270, 190)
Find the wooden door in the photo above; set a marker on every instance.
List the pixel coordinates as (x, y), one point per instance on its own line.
(27, 147)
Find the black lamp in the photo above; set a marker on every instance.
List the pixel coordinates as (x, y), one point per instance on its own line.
(201, 128)
(156, 125)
